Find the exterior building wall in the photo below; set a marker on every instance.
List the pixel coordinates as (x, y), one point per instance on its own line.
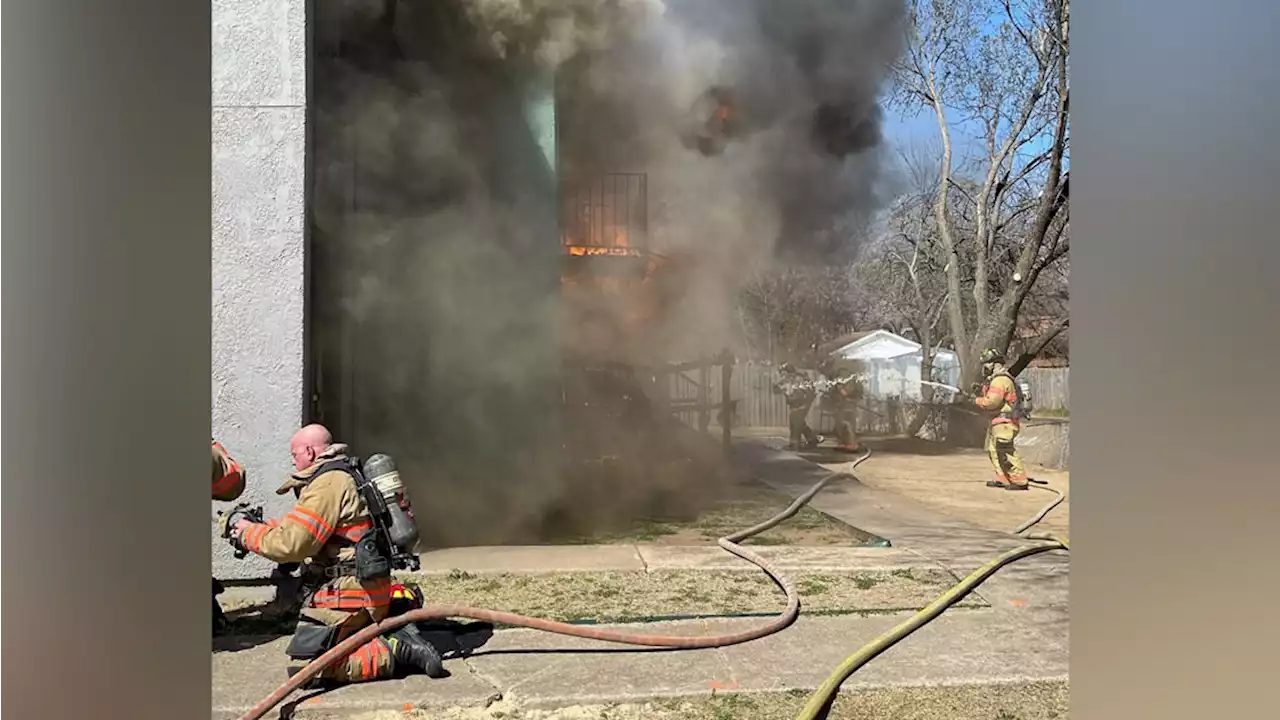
(259, 99)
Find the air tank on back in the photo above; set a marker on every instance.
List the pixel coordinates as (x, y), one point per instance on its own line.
(381, 471)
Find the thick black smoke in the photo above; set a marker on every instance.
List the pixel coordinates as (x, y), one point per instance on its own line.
(801, 79)
(435, 244)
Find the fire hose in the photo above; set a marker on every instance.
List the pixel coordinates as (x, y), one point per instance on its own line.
(819, 703)
(440, 612)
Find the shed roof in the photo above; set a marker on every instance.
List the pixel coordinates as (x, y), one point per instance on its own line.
(880, 345)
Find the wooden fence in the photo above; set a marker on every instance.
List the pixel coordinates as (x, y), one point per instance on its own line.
(755, 403)
(1050, 388)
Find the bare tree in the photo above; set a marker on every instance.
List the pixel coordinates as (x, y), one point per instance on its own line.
(1003, 64)
(903, 268)
(786, 311)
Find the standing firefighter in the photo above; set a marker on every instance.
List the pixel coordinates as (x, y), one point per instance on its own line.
(843, 396)
(228, 484)
(800, 395)
(1002, 396)
(348, 574)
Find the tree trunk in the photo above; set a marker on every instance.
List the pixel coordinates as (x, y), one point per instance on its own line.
(925, 408)
(942, 212)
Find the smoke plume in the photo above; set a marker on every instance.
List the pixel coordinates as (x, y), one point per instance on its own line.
(440, 324)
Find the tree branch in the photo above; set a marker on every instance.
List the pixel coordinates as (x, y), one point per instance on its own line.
(987, 217)
(956, 186)
(1017, 212)
(1032, 164)
(1052, 198)
(1057, 248)
(1042, 342)
(1008, 10)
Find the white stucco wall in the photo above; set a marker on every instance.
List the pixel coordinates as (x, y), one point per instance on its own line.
(259, 95)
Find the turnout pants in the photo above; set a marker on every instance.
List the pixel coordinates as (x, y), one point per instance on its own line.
(800, 430)
(332, 614)
(1004, 456)
(846, 424)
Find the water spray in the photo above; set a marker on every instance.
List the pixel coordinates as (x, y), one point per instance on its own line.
(944, 386)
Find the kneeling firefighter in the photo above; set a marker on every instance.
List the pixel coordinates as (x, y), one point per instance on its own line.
(351, 525)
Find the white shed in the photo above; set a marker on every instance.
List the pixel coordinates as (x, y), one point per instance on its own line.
(893, 363)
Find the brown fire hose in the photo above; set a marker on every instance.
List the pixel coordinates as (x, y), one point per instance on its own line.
(439, 612)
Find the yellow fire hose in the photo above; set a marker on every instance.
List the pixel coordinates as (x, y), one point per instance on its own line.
(819, 704)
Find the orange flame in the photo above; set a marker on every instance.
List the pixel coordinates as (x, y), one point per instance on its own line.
(582, 250)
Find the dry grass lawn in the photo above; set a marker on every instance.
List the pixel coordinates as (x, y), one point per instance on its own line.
(632, 596)
(637, 596)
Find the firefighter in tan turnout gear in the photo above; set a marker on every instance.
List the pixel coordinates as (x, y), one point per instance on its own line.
(228, 484)
(842, 400)
(800, 394)
(331, 531)
(1000, 396)
(228, 475)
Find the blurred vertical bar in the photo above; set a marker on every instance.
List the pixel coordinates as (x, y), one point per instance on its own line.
(106, 369)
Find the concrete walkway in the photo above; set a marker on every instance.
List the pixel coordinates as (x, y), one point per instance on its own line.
(1022, 637)
(1033, 590)
(641, 558)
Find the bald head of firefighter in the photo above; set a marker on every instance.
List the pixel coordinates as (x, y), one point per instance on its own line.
(346, 575)
(999, 398)
(308, 444)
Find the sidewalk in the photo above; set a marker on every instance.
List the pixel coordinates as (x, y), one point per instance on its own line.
(541, 670)
(1033, 590)
(643, 558)
(1021, 638)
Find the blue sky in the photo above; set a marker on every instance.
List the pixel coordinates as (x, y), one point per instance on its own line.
(923, 127)
(901, 130)
(967, 143)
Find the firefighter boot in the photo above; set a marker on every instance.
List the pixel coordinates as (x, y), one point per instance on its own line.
(412, 652)
(219, 619)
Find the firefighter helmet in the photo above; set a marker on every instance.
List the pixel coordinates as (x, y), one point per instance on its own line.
(991, 355)
(405, 598)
